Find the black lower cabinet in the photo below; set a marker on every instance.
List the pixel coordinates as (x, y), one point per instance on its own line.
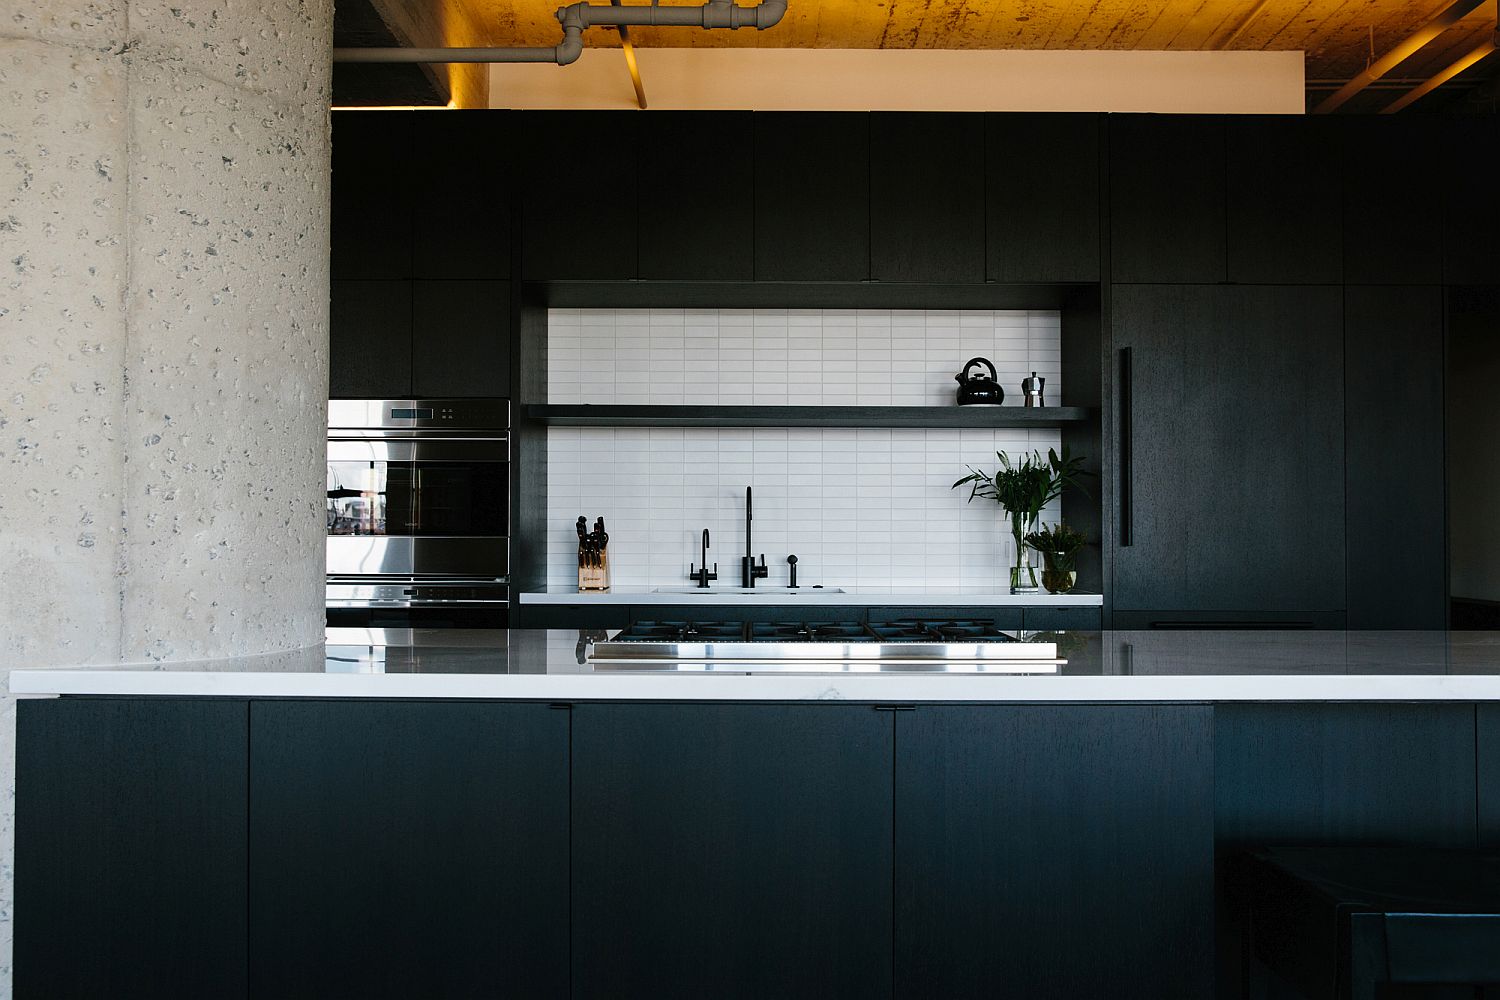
(1054, 851)
(408, 849)
(731, 851)
(130, 849)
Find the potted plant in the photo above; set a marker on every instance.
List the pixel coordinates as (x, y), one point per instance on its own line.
(1059, 545)
(1022, 489)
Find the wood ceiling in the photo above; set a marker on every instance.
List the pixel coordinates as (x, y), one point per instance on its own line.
(1336, 34)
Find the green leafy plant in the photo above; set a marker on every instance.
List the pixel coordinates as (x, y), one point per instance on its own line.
(1023, 488)
(1059, 541)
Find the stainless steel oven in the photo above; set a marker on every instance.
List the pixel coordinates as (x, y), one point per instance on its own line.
(418, 506)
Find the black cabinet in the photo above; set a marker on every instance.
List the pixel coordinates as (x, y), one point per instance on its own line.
(1062, 619)
(1167, 199)
(812, 196)
(130, 848)
(371, 194)
(1284, 186)
(1393, 429)
(369, 339)
(460, 338)
(1488, 763)
(1047, 851)
(461, 189)
(405, 849)
(696, 192)
(924, 224)
(1393, 238)
(578, 215)
(1231, 461)
(1471, 212)
(731, 850)
(1041, 177)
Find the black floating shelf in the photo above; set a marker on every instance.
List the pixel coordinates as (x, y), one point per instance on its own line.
(584, 415)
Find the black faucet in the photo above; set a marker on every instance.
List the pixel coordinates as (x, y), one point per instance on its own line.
(702, 575)
(749, 572)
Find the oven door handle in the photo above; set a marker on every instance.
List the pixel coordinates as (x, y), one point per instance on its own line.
(449, 450)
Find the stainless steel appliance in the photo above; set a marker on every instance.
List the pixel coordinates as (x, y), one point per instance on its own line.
(941, 646)
(419, 509)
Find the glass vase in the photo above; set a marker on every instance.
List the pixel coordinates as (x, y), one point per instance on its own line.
(1058, 574)
(1023, 573)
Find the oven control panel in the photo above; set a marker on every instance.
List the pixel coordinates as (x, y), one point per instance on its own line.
(455, 414)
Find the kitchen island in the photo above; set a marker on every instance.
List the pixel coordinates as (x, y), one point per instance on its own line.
(419, 814)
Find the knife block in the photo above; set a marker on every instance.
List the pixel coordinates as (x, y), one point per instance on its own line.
(593, 570)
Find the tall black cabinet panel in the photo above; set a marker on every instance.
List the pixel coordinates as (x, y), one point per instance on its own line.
(1231, 448)
(812, 196)
(1471, 212)
(1393, 427)
(406, 849)
(926, 211)
(731, 851)
(1046, 851)
(1394, 239)
(697, 196)
(371, 194)
(1041, 197)
(1284, 199)
(578, 215)
(1488, 732)
(461, 338)
(130, 848)
(369, 339)
(462, 190)
(1166, 176)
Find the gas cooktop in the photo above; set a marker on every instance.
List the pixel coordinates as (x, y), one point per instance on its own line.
(907, 644)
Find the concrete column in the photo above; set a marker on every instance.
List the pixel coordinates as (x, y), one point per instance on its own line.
(163, 327)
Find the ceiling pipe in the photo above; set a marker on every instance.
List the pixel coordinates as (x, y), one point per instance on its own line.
(1239, 29)
(574, 18)
(1432, 83)
(1446, 18)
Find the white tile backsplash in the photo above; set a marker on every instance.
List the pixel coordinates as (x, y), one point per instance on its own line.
(869, 508)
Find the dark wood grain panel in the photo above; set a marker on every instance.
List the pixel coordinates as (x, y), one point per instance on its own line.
(1488, 764)
(921, 227)
(461, 339)
(1393, 453)
(696, 192)
(370, 221)
(1391, 239)
(369, 339)
(1284, 186)
(1042, 197)
(462, 185)
(1167, 198)
(731, 851)
(130, 848)
(404, 849)
(578, 216)
(1471, 212)
(812, 196)
(1054, 851)
(589, 415)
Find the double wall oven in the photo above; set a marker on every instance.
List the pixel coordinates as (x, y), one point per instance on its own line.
(418, 512)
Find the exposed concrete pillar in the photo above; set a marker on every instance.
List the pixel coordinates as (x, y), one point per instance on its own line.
(163, 327)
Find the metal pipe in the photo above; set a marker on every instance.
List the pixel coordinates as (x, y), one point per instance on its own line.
(574, 18)
(1239, 29)
(1446, 18)
(1427, 86)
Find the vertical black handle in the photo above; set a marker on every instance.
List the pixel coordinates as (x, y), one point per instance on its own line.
(1127, 444)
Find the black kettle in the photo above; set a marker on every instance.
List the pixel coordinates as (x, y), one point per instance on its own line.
(977, 389)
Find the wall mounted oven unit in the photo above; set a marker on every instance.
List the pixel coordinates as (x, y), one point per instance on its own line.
(418, 510)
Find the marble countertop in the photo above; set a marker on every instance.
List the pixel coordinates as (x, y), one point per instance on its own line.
(534, 664)
(850, 597)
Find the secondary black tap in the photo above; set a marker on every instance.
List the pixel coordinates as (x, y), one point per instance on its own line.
(702, 575)
(749, 572)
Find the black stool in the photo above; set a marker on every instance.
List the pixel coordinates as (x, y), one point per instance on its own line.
(1339, 922)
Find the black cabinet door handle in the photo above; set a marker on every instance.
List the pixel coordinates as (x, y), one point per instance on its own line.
(1126, 448)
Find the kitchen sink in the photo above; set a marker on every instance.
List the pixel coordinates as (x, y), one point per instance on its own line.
(778, 591)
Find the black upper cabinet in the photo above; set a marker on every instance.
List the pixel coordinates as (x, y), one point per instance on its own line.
(1471, 212)
(1393, 426)
(926, 190)
(696, 196)
(1233, 455)
(1104, 883)
(462, 190)
(578, 214)
(369, 339)
(461, 338)
(408, 849)
(372, 208)
(1392, 206)
(812, 196)
(731, 851)
(131, 848)
(1041, 197)
(1284, 194)
(1167, 199)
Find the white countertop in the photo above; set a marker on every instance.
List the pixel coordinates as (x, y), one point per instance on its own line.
(810, 596)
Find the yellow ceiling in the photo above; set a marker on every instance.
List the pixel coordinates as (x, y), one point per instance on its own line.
(1336, 34)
